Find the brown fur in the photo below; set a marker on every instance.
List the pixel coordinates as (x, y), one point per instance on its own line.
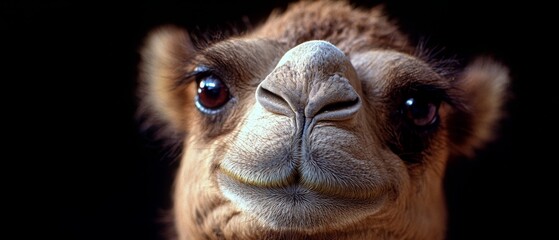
(314, 144)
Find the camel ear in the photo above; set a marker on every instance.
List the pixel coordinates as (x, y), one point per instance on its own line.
(164, 59)
(484, 88)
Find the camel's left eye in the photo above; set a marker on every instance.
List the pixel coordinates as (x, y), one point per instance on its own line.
(212, 94)
(421, 112)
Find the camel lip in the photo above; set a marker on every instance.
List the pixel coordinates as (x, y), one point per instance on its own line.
(296, 185)
(322, 182)
(270, 180)
(296, 207)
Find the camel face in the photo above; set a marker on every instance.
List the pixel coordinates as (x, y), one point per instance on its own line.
(311, 127)
(307, 121)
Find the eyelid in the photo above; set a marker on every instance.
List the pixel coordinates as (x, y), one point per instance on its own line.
(196, 74)
(200, 70)
(436, 93)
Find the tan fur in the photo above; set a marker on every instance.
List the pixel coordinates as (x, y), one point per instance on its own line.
(315, 141)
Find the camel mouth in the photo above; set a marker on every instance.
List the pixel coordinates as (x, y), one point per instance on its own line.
(287, 179)
(297, 207)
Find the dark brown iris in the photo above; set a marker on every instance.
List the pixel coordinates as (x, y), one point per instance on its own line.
(212, 93)
(420, 112)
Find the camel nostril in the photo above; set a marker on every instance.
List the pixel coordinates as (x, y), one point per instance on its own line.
(341, 109)
(339, 106)
(272, 101)
(314, 79)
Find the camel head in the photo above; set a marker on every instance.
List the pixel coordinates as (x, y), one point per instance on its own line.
(323, 122)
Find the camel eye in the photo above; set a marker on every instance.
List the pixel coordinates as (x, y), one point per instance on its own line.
(421, 112)
(212, 94)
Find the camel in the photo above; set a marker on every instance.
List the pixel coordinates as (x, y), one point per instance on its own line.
(323, 122)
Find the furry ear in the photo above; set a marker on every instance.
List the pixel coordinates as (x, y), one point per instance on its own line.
(484, 85)
(163, 64)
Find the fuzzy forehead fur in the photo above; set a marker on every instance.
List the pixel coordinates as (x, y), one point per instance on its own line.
(348, 28)
(333, 127)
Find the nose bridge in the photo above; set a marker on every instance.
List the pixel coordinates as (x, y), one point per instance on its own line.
(314, 78)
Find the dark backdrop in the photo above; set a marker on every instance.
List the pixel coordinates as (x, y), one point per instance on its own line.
(79, 168)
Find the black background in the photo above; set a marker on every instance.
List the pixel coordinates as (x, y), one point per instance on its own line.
(77, 166)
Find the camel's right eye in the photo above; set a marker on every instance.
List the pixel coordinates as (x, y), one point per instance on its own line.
(212, 94)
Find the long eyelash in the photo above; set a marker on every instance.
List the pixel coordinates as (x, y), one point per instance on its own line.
(198, 73)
